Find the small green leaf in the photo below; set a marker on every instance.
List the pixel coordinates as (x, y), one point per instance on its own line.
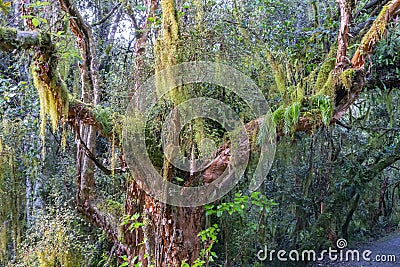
(35, 22)
(140, 8)
(5, 6)
(179, 179)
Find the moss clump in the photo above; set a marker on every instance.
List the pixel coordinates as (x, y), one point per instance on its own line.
(324, 74)
(53, 100)
(8, 38)
(329, 87)
(375, 33)
(377, 29)
(277, 71)
(11, 38)
(347, 77)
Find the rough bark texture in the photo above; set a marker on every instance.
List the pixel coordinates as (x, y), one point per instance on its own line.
(345, 7)
(175, 228)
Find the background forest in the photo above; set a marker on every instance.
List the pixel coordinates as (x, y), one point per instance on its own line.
(69, 68)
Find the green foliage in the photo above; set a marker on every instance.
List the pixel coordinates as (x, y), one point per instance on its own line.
(240, 204)
(133, 221)
(287, 117)
(54, 239)
(4, 6)
(315, 178)
(36, 20)
(324, 104)
(105, 117)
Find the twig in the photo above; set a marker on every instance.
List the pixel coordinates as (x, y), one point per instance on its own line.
(106, 17)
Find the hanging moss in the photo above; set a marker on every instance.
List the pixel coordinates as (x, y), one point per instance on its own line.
(166, 49)
(167, 46)
(56, 252)
(299, 93)
(3, 243)
(3, 229)
(53, 94)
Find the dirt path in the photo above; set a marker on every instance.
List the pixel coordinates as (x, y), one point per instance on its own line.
(385, 252)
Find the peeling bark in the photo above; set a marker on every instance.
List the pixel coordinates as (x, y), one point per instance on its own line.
(345, 7)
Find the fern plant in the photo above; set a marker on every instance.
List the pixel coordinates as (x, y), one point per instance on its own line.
(325, 106)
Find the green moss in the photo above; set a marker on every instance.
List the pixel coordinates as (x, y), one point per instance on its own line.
(113, 207)
(8, 38)
(11, 38)
(7, 33)
(299, 93)
(324, 74)
(56, 252)
(329, 86)
(53, 94)
(378, 28)
(277, 71)
(347, 77)
(3, 243)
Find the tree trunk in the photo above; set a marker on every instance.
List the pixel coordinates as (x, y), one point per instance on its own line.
(175, 228)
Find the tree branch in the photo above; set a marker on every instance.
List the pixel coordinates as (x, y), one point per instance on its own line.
(11, 39)
(345, 7)
(84, 40)
(106, 17)
(375, 33)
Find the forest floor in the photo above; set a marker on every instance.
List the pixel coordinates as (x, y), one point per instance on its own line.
(385, 253)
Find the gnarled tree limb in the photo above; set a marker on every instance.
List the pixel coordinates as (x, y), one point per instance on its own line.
(375, 33)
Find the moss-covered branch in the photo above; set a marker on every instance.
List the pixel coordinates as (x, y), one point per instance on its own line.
(375, 33)
(104, 120)
(53, 94)
(343, 83)
(11, 39)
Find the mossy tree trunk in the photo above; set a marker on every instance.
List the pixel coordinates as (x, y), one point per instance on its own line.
(174, 229)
